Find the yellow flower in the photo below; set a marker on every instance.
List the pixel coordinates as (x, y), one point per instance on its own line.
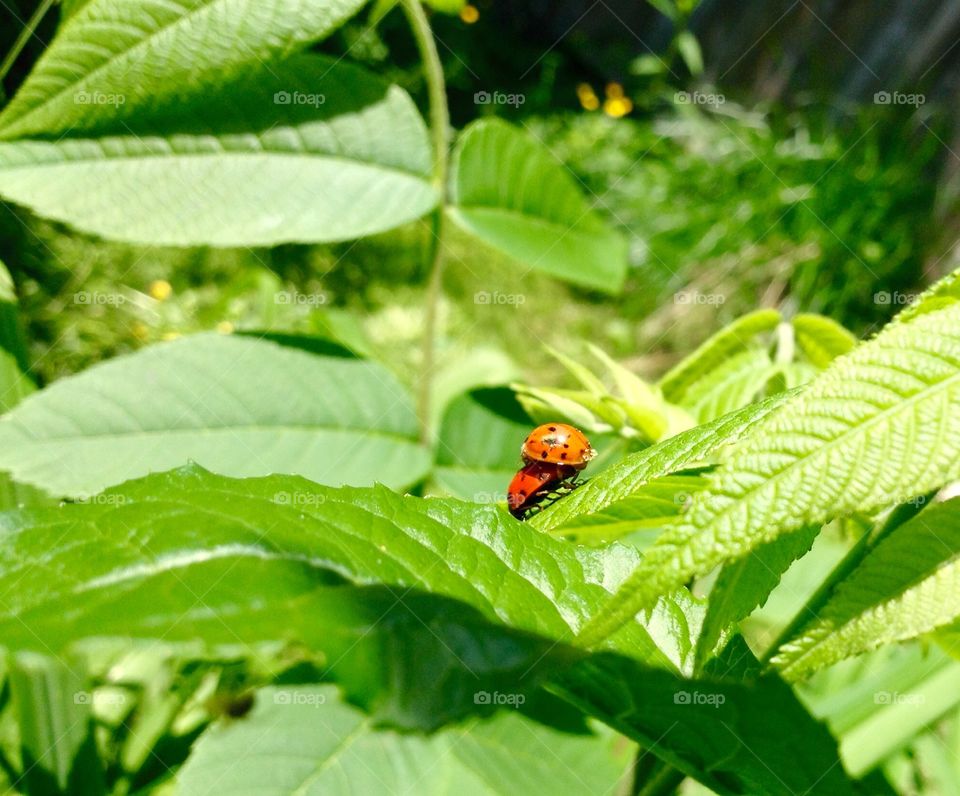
(614, 90)
(588, 99)
(140, 331)
(160, 289)
(469, 14)
(616, 107)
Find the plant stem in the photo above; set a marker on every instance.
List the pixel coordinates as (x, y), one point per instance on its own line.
(664, 782)
(439, 126)
(24, 37)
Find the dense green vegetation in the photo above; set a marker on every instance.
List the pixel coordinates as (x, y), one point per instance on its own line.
(272, 330)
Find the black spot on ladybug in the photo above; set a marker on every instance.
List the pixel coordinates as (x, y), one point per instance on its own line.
(553, 428)
(543, 455)
(563, 455)
(565, 445)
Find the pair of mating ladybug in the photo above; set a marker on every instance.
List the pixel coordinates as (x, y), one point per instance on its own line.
(553, 456)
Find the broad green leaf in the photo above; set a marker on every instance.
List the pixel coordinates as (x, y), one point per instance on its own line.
(726, 729)
(745, 584)
(332, 419)
(821, 339)
(908, 585)
(621, 480)
(305, 741)
(307, 149)
(145, 52)
(478, 449)
(879, 426)
(512, 194)
(637, 519)
(737, 337)
(285, 539)
(56, 727)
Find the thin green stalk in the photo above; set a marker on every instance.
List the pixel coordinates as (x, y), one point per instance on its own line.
(24, 37)
(663, 783)
(439, 126)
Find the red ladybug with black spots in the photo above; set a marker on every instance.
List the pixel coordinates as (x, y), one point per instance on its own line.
(553, 455)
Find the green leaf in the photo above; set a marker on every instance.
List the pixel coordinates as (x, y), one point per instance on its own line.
(738, 336)
(731, 385)
(149, 53)
(821, 339)
(745, 584)
(878, 427)
(676, 453)
(447, 6)
(478, 449)
(511, 193)
(463, 371)
(333, 419)
(240, 167)
(637, 519)
(725, 729)
(877, 703)
(56, 727)
(690, 52)
(283, 539)
(305, 741)
(908, 585)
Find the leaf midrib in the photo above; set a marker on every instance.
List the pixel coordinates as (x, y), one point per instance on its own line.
(175, 155)
(922, 395)
(891, 600)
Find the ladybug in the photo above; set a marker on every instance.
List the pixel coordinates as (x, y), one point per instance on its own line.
(536, 482)
(557, 443)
